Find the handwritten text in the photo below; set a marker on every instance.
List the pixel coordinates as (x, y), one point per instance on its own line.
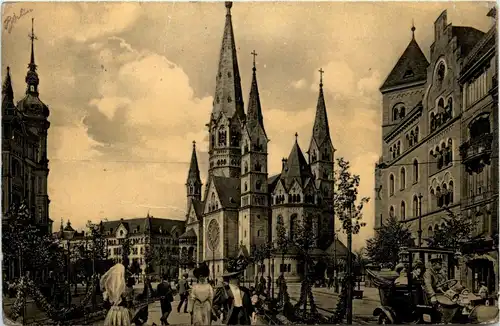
(11, 20)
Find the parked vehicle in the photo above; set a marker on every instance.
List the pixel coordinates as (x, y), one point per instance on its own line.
(408, 303)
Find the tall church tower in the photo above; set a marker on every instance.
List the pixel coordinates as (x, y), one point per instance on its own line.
(321, 149)
(193, 183)
(228, 111)
(253, 214)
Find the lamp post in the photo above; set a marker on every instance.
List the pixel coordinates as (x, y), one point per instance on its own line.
(351, 199)
(68, 233)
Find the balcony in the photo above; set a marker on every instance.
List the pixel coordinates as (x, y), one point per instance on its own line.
(476, 152)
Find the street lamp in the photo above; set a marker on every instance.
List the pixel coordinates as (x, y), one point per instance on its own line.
(420, 220)
(67, 234)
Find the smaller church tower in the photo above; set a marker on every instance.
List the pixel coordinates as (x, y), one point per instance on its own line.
(254, 210)
(193, 183)
(321, 150)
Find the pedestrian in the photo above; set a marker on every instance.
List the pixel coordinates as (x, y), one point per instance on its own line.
(142, 314)
(183, 293)
(233, 301)
(113, 285)
(164, 291)
(201, 298)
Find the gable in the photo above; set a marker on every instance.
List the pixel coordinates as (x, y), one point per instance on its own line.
(212, 201)
(121, 231)
(192, 216)
(280, 188)
(296, 188)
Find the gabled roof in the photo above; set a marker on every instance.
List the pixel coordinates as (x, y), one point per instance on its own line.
(228, 95)
(411, 67)
(296, 167)
(144, 224)
(467, 38)
(228, 190)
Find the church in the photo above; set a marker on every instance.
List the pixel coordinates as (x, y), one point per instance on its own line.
(241, 204)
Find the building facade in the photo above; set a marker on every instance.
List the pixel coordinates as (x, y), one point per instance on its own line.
(25, 166)
(241, 203)
(158, 236)
(479, 155)
(419, 177)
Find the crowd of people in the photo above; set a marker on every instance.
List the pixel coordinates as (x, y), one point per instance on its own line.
(229, 303)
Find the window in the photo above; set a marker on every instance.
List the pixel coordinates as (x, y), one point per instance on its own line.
(403, 210)
(441, 72)
(439, 197)
(450, 192)
(259, 233)
(416, 136)
(391, 211)
(395, 114)
(293, 225)
(448, 159)
(415, 171)
(415, 206)
(391, 185)
(258, 185)
(402, 178)
(246, 167)
(246, 186)
(432, 198)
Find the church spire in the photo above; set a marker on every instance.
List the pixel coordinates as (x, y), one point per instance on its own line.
(228, 95)
(254, 110)
(7, 93)
(321, 130)
(194, 171)
(32, 76)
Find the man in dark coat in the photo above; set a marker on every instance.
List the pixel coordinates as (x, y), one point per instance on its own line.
(183, 293)
(234, 301)
(164, 291)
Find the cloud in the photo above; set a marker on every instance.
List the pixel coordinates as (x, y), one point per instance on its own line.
(299, 84)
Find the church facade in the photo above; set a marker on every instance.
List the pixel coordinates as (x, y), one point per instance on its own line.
(24, 152)
(241, 203)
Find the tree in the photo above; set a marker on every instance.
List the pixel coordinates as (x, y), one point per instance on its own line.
(26, 245)
(456, 231)
(282, 243)
(149, 257)
(349, 211)
(384, 247)
(126, 252)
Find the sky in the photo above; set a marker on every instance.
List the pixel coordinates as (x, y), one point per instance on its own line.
(130, 86)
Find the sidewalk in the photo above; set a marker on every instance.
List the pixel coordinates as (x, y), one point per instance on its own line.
(369, 293)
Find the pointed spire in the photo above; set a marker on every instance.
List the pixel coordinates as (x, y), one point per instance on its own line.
(194, 171)
(7, 93)
(32, 76)
(321, 129)
(296, 165)
(254, 110)
(228, 95)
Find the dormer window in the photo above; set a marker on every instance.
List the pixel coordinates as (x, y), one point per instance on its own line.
(408, 73)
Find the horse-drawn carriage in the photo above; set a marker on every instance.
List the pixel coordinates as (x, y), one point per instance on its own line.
(408, 303)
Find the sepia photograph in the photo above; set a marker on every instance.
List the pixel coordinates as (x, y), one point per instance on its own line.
(249, 163)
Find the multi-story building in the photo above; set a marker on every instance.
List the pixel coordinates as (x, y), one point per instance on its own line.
(25, 166)
(242, 203)
(479, 154)
(419, 175)
(159, 236)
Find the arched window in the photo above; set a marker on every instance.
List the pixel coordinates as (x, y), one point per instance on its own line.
(415, 171)
(412, 138)
(441, 72)
(416, 135)
(399, 148)
(395, 114)
(391, 185)
(402, 112)
(440, 105)
(449, 108)
(293, 225)
(391, 211)
(402, 176)
(449, 152)
(450, 192)
(433, 198)
(258, 185)
(433, 121)
(246, 167)
(403, 210)
(415, 206)
(445, 194)
(246, 186)
(439, 197)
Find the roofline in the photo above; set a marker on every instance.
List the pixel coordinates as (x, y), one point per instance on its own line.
(384, 90)
(477, 63)
(417, 110)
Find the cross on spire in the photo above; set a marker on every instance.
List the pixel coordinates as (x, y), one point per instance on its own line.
(194, 143)
(254, 54)
(321, 71)
(296, 136)
(413, 29)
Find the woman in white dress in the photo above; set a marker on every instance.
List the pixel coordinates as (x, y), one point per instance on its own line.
(114, 287)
